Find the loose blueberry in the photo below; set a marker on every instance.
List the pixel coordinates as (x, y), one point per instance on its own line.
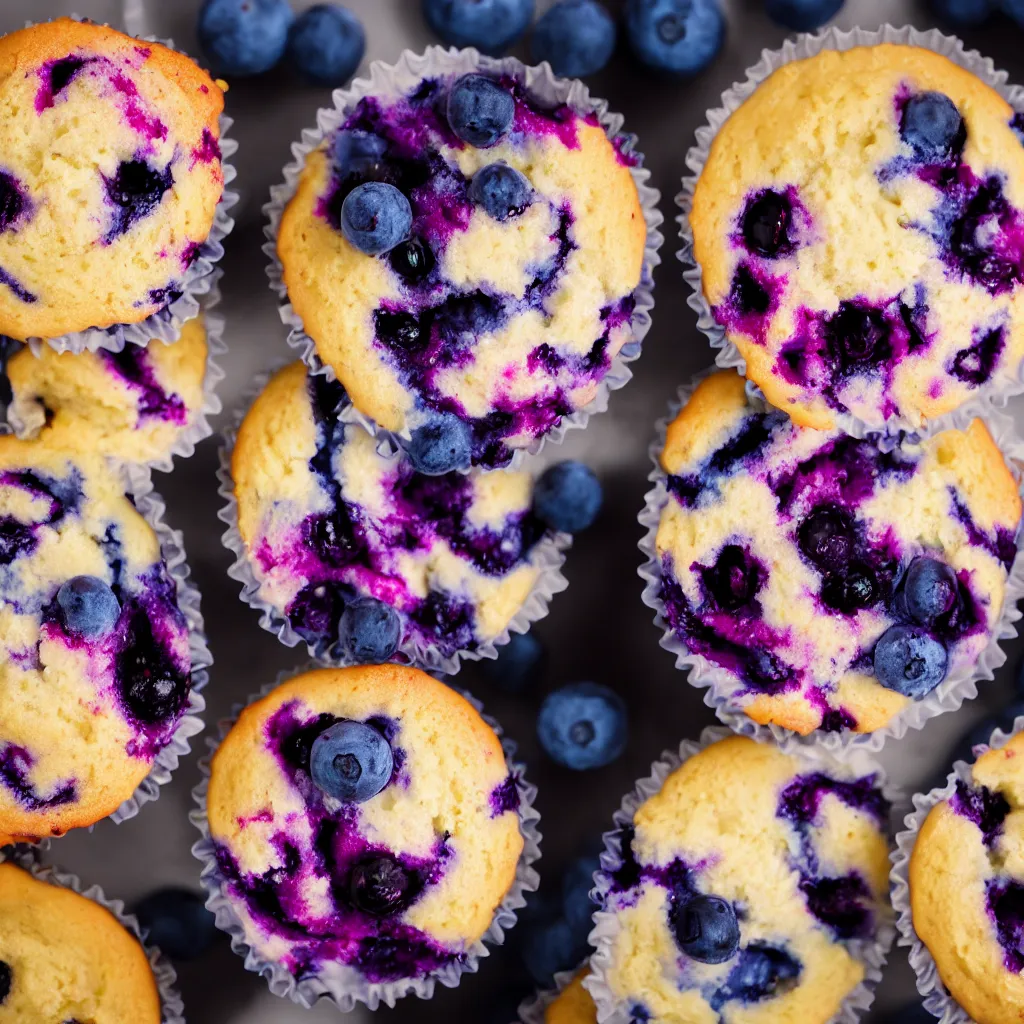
(244, 37)
(518, 663)
(802, 15)
(551, 947)
(480, 111)
(567, 496)
(358, 153)
(412, 260)
(766, 224)
(177, 922)
(929, 590)
(88, 606)
(380, 886)
(501, 191)
(135, 191)
(747, 294)
(963, 13)
(576, 885)
(932, 127)
(1015, 9)
(441, 445)
(576, 37)
(732, 580)
(909, 661)
(858, 334)
(370, 630)
(326, 44)
(5, 981)
(705, 928)
(826, 537)
(583, 726)
(850, 591)
(375, 217)
(680, 37)
(492, 26)
(351, 761)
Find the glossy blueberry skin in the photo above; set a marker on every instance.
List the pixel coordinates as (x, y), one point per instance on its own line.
(765, 224)
(479, 110)
(518, 663)
(412, 259)
(933, 127)
(492, 26)
(705, 929)
(910, 661)
(576, 37)
(441, 445)
(963, 12)
(358, 153)
(583, 726)
(567, 496)
(375, 217)
(325, 44)
(929, 590)
(802, 15)
(677, 37)
(177, 922)
(88, 607)
(369, 630)
(500, 191)
(351, 762)
(826, 537)
(244, 37)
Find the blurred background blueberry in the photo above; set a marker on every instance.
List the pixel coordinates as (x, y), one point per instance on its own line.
(963, 13)
(678, 37)
(802, 15)
(243, 37)
(492, 26)
(325, 44)
(568, 496)
(576, 37)
(177, 922)
(583, 726)
(518, 665)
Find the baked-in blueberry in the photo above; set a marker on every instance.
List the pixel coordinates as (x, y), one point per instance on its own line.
(583, 726)
(500, 191)
(380, 886)
(400, 330)
(910, 660)
(567, 496)
(135, 191)
(576, 37)
(177, 922)
(858, 334)
(705, 928)
(680, 37)
(747, 294)
(88, 607)
(326, 42)
(761, 972)
(518, 663)
(152, 686)
(351, 761)
(826, 537)
(492, 26)
(444, 443)
(802, 15)
(850, 590)
(963, 12)
(412, 259)
(375, 217)
(479, 110)
(733, 579)
(932, 126)
(370, 630)
(359, 153)
(244, 37)
(5, 981)
(766, 223)
(929, 590)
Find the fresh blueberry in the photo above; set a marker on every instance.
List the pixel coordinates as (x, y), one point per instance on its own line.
(325, 44)
(244, 37)
(932, 127)
(583, 726)
(850, 591)
(576, 885)
(358, 153)
(802, 15)
(88, 606)
(761, 972)
(501, 191)
(549, 948)
(492, 26)
(576, 37)
(681, 37)
(705, 928)
(177, 922)
(929, 590)
(412, 260)
(370, 630)
(826, 537)
(963, 13)
(480, 111)
(380, 886)
(5, 981)
(375, 217)
(567, 496)
(351, 761)
(733, 579)
(444, 443)
(518, 663)
(910, 661)
(766, 223)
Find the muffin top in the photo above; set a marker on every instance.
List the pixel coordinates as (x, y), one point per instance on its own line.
(967, 887)
(744, 881)
(95, 667)
(365, 822)
(111, 174)
(133, 404)
(327, 520)
(515, 241)
(860, 230)
(828, 582)
(64, 958)
(573, 1005)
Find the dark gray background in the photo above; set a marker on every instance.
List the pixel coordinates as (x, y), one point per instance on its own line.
(598, 629)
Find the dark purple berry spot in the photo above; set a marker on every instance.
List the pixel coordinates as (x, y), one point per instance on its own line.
(63, 71)
(153, 688)
(12, 201)
(850, 591)
(734, 579)
(974, 365)
(766, 224)
(5, 981)
(402, 331)
(412, 259)
(135, 190)
(381, 886)
(858, 334)
(826, 537)
(839, 904)
(15, 539)
(748, 295)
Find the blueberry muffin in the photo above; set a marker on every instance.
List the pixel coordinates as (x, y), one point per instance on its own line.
(967, 888)
(573, 1005)
(829, 583)
(134, 404)
(64, 958)
(465, 261)
(860, 227)
(336, 533)
(111, 175)
(94, 650)
(748, 882)
(365, 824)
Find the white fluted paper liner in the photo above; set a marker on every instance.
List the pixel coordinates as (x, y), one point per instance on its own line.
(851, 763)
(722, 688)
(346, 987)
(937, 999)
(172, 1009)
(531, 1010)
(548, 556)
(799, 48)
(398, 79)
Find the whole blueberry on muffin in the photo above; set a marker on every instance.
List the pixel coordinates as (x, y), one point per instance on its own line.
(829, 582)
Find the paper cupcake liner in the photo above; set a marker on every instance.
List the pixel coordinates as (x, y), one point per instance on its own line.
(172, 1009)
(799, 48)
(358, 990)
(396, 80)
(722, 687)
(872, 955)
(548, 555)
(531, 1011)
(937, 999)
